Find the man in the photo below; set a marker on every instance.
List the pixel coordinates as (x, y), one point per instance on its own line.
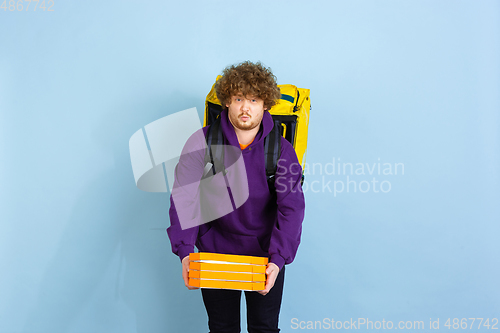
(268, 224)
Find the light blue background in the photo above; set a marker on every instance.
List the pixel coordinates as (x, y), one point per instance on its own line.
(412, 82)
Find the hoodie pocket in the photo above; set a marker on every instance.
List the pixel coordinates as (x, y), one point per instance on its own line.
(218, 241)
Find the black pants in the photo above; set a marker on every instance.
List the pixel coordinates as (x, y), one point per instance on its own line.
(223, 308)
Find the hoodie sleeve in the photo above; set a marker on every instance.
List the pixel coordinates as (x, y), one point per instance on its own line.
(184, 213)
(182, 241)
(285, 237)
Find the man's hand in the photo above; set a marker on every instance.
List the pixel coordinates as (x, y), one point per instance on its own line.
(272, 271)
(185, 274)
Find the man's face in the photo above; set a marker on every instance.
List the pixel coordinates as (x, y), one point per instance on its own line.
(245, 112)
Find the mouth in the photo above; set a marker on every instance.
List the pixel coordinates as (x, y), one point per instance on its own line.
(244, 118)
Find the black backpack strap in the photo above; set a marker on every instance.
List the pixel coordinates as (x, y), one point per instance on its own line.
(214, 154)
(272, 152)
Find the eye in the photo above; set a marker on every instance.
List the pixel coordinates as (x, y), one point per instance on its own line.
(254, 100)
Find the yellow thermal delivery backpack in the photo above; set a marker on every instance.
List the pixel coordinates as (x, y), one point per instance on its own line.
(291, 120)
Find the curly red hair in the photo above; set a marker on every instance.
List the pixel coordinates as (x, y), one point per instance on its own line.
(247, 78)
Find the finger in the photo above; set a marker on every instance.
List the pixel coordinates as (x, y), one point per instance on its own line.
(268, 287)
(263, 292)
(185, 276)
(270, 282)
(272, 277)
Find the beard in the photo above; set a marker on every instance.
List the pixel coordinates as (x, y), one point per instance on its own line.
(247, 125)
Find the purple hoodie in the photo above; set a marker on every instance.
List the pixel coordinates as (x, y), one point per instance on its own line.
(265, 225)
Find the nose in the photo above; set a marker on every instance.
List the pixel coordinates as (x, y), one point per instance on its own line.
(245, 106)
